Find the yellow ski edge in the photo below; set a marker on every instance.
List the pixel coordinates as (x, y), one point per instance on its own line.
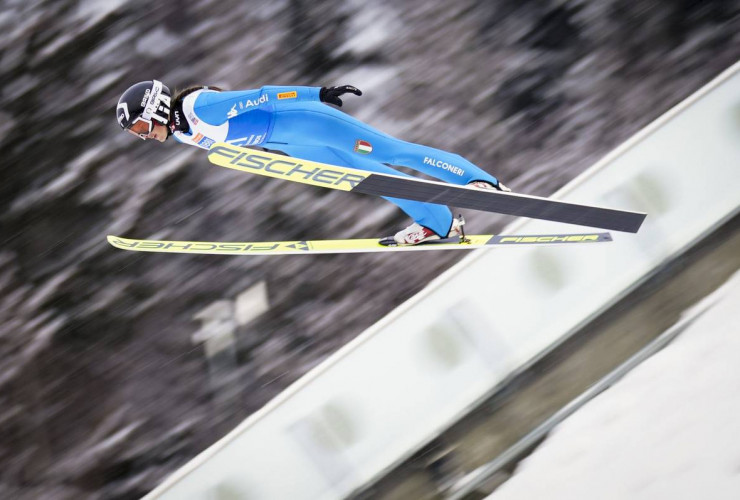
(286, 167)
(343, 246)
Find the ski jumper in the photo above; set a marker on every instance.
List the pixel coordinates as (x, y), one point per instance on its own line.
(293, 120)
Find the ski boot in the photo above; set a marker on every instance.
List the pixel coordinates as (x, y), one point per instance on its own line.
(417, 234)
(487, 185)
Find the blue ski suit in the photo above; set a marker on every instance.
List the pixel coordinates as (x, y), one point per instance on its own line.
(293, 120)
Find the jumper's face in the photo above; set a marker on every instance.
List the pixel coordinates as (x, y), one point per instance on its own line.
(157, 132)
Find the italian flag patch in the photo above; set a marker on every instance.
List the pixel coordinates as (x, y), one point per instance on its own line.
(363, 147)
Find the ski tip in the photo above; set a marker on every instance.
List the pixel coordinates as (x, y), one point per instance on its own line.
(117, 241)
(113, 241)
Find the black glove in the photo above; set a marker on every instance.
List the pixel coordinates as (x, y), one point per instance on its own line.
(331, 94)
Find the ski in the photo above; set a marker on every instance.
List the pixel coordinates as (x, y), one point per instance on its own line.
(360, 181)
(470, 242)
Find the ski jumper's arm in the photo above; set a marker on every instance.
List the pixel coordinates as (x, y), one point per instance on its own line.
(216, 108)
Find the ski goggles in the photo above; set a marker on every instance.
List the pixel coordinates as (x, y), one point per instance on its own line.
(141, 128)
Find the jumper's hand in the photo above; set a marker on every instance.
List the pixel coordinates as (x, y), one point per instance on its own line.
(331, 94)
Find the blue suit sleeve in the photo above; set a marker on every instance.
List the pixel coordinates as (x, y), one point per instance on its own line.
(216, 108)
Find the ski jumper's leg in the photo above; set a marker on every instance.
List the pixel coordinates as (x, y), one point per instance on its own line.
(438, 218)
(448, 167)
(332, 127)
